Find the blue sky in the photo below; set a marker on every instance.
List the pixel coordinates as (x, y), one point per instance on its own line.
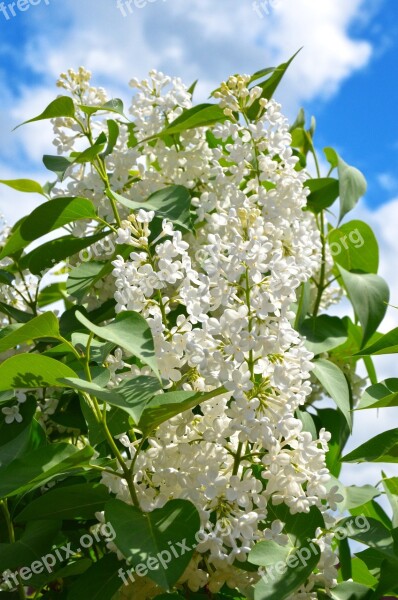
(346, 76)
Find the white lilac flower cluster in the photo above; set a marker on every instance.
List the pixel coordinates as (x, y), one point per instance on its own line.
(218, 301)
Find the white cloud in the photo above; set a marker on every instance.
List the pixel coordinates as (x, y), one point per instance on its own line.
(200, 39)
(388, 182)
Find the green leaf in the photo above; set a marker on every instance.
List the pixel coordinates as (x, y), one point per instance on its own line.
(52, 252)
(298, 527)
(361, 573)
(352, 187)
(388, 579)
(37, 468)
(60, 107)
(52, 293)
(202, 115)
(177, 596)
(115, 105)
(172, 203)
(334, 422)
(332, 157)
(99, 582)
(374, 510)
(304, 303)
(374, 558)
(283, 578)
(24, 185)
(117, 421)
(347, 351)
(79, 501)
(269, 86)
(358, 496)
(43, 326)
(386, 344)
(192, 87)
(391, 490)
(136, 394)
(165, 406)
(77, 567)
(145, 536)
(268, 553)
(345, 559)
(262, 73)
(308, 422)
(19, 438)
(15, 313)
(353, 496)
(351, 591)
(34, 543)
(113, 134)
(57, 164)
(366, 530)
(334, 382)
(323, 333)
(129, 331)
(32, 371)
(6, 278)
(45, 218)
(136, 401)
(382, 448)
(324, 192)
(369, 295)
(83, 277)
(354, 247)
(91, 152)
(380, 395)
(99, 351)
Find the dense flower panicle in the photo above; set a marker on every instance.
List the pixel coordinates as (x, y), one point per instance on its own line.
(236, 280)
(218, 301)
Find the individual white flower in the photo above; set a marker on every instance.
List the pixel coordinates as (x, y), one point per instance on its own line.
(12, 414)
(144, 216)
(20, 396)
